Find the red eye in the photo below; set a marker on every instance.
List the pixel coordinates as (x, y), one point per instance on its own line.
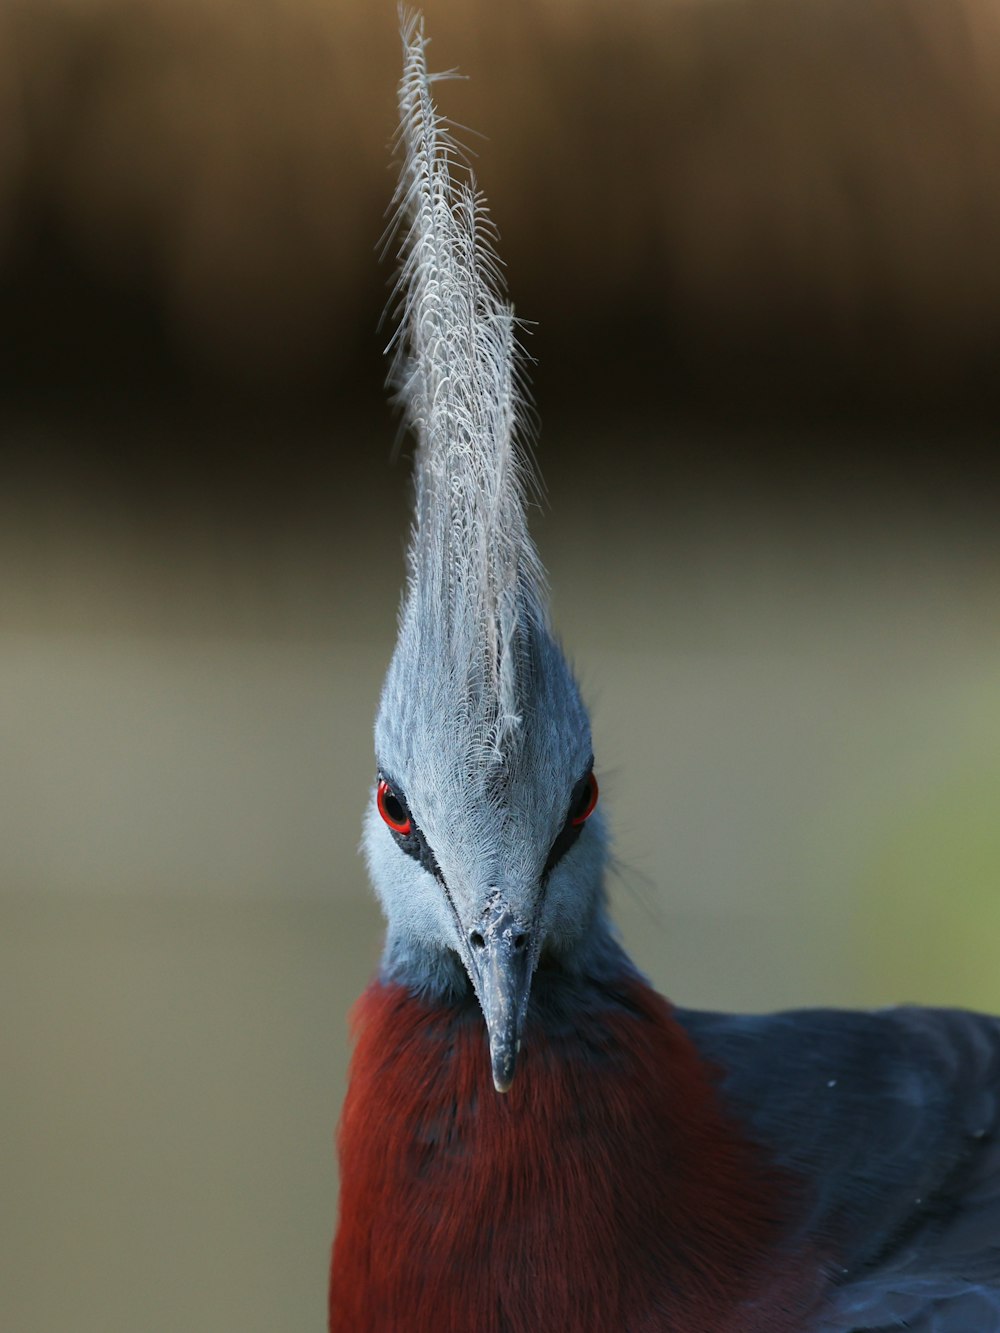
(586, 801)
(392, 809)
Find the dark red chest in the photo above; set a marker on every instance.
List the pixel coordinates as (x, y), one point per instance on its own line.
(606, 1191)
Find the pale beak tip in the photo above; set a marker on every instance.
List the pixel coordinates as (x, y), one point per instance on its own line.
(504, 1066)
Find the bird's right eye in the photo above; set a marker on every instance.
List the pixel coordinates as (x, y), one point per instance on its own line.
(392, 809)
(585, 802)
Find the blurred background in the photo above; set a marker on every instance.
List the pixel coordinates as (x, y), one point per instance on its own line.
(758, 243)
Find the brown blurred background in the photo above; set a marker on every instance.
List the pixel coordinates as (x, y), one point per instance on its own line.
(758, 243)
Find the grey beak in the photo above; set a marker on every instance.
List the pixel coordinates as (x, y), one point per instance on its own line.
(501, 957)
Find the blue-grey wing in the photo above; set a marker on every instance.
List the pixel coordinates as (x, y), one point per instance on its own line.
(960, 1309)
(892, 1122)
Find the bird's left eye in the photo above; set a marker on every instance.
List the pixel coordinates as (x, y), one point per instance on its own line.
(392, 809)
(585, 802)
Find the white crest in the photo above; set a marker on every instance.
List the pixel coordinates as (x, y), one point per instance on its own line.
(475, 590)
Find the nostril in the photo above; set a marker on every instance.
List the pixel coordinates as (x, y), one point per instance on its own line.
(516, 943)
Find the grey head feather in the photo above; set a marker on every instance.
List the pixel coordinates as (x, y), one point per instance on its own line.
(480, 726)
(475, 588)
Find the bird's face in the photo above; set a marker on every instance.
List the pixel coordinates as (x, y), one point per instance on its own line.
(485, 859)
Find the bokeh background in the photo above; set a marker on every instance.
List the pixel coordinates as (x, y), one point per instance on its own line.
(758, 241)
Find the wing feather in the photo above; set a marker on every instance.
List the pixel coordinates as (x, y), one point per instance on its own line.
(892, 1120)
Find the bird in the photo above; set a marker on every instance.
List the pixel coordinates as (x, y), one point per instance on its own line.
(532, 1137)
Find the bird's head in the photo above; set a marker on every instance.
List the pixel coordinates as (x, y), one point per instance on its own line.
(482, 837)
(487, 852)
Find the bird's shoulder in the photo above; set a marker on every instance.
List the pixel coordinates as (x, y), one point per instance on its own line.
(891, 1121)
